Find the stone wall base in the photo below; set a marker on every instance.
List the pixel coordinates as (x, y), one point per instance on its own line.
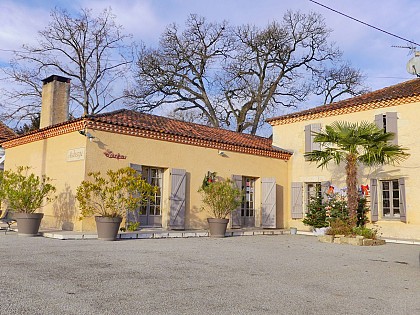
(357, 241)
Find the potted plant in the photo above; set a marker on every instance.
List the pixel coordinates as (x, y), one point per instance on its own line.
(220, 198)
(24, 194)
(109, 198)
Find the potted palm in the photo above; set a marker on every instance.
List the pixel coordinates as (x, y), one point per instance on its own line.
(24, 193)
(220, 198)
(110, 198)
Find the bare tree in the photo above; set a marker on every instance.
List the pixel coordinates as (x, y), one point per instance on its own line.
(90, 50)
(180, 70)
(234, 76)
(337, 81)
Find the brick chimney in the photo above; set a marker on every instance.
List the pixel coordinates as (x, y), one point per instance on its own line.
(55, 100)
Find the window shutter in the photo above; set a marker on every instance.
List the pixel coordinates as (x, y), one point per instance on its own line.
(310, 145)
(403, 207)
(392, 125)
(235, 216)
(269, 208)
(379, 121)
(374, 200)
(315, 128)
(308, 139)
(297, 200)
(177, 199)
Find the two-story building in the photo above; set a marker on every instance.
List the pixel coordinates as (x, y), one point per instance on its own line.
(392, 189)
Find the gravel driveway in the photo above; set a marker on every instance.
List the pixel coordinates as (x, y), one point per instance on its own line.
(284, 274)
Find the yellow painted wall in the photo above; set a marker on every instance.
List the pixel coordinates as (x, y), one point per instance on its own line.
(50, 157)
(195, 160)
(292, 137)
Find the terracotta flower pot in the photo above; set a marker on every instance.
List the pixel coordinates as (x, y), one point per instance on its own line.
(28, 223)
(107, 227)
(217, 227)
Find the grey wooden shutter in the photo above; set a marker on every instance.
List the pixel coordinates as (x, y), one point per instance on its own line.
(297, 200)
(379, 121)
(308, 139)
(269, 209)
(374, 200)
(235, 216)
(315, 128)
(403, 207)
(177, 199)
(310, 145)
(392, 125)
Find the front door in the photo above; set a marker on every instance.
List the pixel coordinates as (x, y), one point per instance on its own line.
(151, 213)
(248, 202)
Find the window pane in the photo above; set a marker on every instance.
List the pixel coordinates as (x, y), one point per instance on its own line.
(395, 185)
(386, 203)
(387, 212)
(385, 185)
(395, 203)
(385, 195)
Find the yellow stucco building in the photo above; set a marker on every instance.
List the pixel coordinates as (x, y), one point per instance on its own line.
(393, 190)
(171, 154)
(176, 156)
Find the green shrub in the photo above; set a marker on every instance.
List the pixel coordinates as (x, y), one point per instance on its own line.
(365, 232)
(323, 210)
(25, 192)
(220, 197)
(120, 191)
(340, 226)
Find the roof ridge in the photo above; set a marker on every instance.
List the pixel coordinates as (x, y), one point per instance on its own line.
(400, 90)
(192, 124)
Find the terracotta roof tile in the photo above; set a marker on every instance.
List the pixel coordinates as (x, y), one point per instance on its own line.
(398, 94)
(190, 132)
(160, 128)
(6, 132)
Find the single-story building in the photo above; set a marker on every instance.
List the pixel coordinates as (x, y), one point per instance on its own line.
(171, 154)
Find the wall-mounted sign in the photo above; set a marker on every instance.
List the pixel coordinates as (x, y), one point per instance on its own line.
(112, 155)
(75, 154)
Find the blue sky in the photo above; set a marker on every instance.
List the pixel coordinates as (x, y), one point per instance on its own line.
(364, 47)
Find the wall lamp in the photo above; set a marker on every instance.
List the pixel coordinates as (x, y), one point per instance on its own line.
(87, 135)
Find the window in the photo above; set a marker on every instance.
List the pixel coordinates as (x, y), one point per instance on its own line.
(247, 207)
(390, 199)
(154, 177)
(388, 122)
(312, 190)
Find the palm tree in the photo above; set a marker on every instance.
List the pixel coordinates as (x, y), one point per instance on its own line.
(355, 144)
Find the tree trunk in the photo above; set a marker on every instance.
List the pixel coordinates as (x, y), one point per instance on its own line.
(351, 181)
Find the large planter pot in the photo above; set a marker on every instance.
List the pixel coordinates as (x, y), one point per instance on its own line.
(28, 223)
(107, 228)
(217, 227)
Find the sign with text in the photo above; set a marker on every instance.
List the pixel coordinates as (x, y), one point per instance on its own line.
(76, 154)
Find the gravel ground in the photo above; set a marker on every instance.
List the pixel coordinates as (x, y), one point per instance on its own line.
(285, 274)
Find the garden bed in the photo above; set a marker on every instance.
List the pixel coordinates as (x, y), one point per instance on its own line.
(357, 240)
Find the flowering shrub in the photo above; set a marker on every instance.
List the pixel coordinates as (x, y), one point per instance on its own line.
(322, 211)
